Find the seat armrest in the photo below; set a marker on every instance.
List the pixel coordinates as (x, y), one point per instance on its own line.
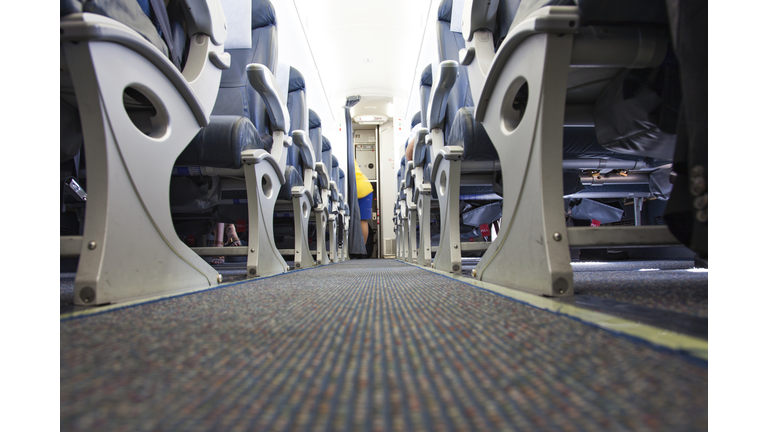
(93, 27)
(478, 15)
(305, 148)
(441, 88)
(265, 84)
(419, 149)
(322, 175)
(207, 17)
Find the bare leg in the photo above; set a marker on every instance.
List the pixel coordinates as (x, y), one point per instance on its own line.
(218, 236)
(232, 238)
(364, 227)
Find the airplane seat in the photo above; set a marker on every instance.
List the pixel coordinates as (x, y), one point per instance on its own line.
(449, 43)
(577, 88)
(235, 120)
(335, 177)
(321, 187)
(455, 138)
(127, 86)
(327, 154)
(299, 114)
(333, 198)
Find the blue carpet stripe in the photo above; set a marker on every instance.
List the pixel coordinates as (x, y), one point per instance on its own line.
(365, 346)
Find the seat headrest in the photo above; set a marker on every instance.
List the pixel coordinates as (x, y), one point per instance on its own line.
(402, 161)
(426, 76)
(295, 80)
(314, 120)
(341, 174)
(262, 14)
(326, 144)
(416, 119)
(334, 162)
(444, 11)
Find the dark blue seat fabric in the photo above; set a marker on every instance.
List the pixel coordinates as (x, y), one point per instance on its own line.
(299, 114)
(233, 134)
(326, 154)
(292, 178)
(335, 177)
(472, 136)
(581, 142)
(316, 134)
(425, 88)
(448, 46)
(596, 12)
(416, 119)
(235, 96)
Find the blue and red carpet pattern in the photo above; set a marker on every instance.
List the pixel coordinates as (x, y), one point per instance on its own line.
(367, 345)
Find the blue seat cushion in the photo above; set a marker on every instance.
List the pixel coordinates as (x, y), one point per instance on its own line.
(292, 178)
(472, 136)
(220, 143)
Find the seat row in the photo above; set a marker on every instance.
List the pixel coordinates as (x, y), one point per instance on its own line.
(214, 108)
(534, 113)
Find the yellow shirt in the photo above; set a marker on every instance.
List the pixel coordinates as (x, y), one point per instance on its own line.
(363, 185)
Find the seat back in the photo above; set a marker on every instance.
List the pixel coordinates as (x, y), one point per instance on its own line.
(335, 169)
(342, 184)
(299, 113)
(335, 177)
(235, 96)
(425, 89)
(326, 155)
(316, 134)
(448, 45)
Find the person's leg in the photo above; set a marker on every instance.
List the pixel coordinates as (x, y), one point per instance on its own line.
(232, 238)
(218, 237)
(364, 227)
(366, 212)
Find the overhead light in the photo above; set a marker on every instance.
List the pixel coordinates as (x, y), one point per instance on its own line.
(371, 119)
(370, 107)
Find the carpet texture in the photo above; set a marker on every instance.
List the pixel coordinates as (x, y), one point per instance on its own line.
(368, 345)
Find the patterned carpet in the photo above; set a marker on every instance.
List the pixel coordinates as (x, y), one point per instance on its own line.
(365, 345)
(672, 290)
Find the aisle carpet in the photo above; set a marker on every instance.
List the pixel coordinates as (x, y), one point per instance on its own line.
(366, 345)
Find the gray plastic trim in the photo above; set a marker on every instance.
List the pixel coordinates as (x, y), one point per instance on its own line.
(550, 19)
(256, 156)
(441, 88)
(74, 29)
(265, 84)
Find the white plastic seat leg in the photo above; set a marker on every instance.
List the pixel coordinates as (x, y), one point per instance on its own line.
(130, 249)
(333, 235)
(446, 177)
(302, 207)
(398, 237)
(531, 251)
(345, 244)
(321, 226)
(263, 178)
(423, 208)
(412, 222)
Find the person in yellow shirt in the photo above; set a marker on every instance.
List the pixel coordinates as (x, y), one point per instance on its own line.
(364, 199)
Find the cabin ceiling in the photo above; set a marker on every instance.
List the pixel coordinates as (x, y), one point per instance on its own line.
(372, 48)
